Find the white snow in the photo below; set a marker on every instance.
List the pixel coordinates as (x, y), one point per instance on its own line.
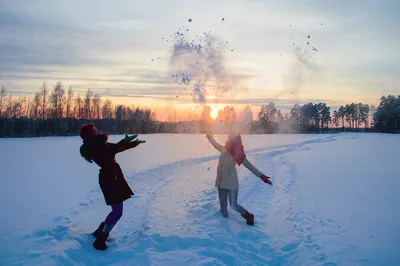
(334, 201)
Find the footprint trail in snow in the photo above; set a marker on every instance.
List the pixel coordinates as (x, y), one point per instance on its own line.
(174, 219)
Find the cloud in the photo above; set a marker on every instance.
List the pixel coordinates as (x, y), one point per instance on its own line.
(147, 80)
(283, 104)
(9, 19)
(377, 69)
(26, 39)
(102, 44)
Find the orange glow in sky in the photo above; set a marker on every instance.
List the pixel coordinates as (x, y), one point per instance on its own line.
(255, 69)
(214, 113)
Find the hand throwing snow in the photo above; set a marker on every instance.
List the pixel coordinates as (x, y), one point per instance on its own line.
(266, 179)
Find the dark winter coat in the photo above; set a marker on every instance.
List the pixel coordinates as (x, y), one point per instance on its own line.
(111, 179)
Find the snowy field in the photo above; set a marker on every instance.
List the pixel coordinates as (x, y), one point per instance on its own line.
(335, 201)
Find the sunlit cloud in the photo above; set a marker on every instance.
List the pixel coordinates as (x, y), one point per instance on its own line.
(121, 49)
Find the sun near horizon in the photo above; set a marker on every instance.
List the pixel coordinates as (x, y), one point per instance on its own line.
(214, 113)
(295, 55)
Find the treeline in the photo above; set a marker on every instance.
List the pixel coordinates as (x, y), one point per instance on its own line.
(315, 118)
(387, 115)
(307, 118)
(61, 112)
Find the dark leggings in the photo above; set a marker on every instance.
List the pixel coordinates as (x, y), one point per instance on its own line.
(113, 217)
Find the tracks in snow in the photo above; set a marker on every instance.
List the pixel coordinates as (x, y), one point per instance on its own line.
(174, 219)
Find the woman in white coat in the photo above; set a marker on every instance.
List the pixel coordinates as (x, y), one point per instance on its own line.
(227, 178)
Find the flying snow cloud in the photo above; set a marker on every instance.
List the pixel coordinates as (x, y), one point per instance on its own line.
(199, 66)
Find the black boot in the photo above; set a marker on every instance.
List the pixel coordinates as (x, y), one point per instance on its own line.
(100, 229)
(100, 242)
(249, 218)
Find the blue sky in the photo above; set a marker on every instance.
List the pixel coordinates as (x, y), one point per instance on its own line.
(108, 46)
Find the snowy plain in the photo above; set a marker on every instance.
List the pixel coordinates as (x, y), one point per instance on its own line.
(334, 201)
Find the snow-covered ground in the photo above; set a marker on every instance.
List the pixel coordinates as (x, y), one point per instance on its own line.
(334, 202)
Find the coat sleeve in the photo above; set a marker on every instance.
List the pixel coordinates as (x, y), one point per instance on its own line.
(216, 145)
(123, 146)
(252, 168)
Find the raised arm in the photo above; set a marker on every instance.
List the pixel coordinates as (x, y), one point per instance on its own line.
(216, 145)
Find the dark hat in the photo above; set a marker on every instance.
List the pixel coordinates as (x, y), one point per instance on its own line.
(87, 131)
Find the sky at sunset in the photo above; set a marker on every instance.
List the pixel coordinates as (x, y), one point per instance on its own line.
(121, 50)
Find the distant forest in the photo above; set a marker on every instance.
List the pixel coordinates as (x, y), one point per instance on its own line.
(59, 112)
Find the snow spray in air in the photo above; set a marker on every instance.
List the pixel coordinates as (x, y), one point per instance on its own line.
(199, 65)
(303, 68)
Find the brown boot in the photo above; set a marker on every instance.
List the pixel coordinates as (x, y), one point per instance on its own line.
(249, 218)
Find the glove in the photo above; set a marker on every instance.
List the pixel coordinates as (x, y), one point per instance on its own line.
(266, 179)
(140, 141)
(128, 139)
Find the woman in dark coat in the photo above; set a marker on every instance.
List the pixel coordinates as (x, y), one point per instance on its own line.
(95, 148)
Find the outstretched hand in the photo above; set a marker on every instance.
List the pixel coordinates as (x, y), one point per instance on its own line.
(140, 141)
(128, 139)
(265, 179)
(209, 135)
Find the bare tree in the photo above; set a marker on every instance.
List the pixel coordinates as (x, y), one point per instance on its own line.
(106, 110)
(27, 107)
(37, 100)
(2, 96)
(18, 106)
(70, 98)
(9, 115)
(96, 106)
(44, 92)
(88, 105)
(79, 107)
(28, 116)
(57, 101)
(60, 94)
(36, 105)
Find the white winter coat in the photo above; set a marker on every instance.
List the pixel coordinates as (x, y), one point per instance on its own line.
(227, 176)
